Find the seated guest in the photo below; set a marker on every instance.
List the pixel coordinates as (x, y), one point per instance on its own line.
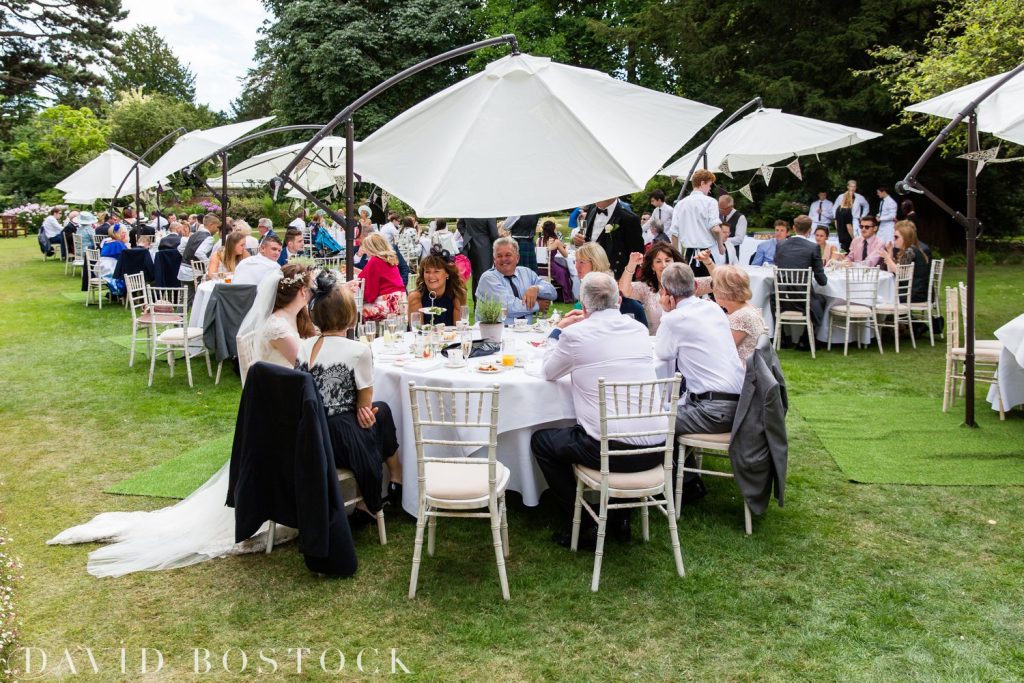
(225, 260)
(173, 239)
(438, 283)
(595, 342)
(70, 229)
(521, 289)
(657, 232)
(52, 232)
(732, 292)
(109, 254)
(251, 243)
(102, 226)
(765, 254)
(591, 258)
(383, 289)
(129, 216)
(696, 337)
(828, 251)
(156, 221)
(800, 251)
(265, 227)
(362, 430)
(723, 252)
(252, 270)
(137, 259)
(87, 230)
(906, 249)
(293, 246)
(550, 238)
(645, 290)
(866, 249)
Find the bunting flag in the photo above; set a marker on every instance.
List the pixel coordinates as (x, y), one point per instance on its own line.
(766, 172)
(745, 191)
(385, 199)
(794, 168)
(724, 167)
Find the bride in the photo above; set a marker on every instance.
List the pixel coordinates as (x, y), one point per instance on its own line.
(202, 527)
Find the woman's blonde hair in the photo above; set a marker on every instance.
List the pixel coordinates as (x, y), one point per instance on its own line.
(375, 244)
(228, 256)
(847, 202)
(731, 283)
(595, 253)
(241, 226)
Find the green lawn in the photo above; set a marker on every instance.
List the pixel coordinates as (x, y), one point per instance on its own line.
(847, 582)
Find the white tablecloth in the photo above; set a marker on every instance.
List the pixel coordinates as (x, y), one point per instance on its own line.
(762, 287)
(835, 293)
(527, 403)
(203, 292)
(1011, 365)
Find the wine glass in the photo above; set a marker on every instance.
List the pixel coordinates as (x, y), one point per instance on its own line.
(392, 325)
(464, 316)
(370, 331)
(416, 321)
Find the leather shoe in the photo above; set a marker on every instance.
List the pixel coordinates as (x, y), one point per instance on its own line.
(395, 494)
(587, 540)
(621, 529)
(693, 491)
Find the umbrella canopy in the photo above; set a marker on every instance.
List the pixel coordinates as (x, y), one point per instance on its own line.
(1001, 113)
(766, 136)
(528, 135)
(319, 168)
(191, 147)
(100, 178)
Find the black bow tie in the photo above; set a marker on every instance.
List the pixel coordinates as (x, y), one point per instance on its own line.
(603, 212)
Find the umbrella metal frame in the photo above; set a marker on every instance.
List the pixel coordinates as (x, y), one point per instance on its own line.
(756, 102)
(969, 221)
(135, 169)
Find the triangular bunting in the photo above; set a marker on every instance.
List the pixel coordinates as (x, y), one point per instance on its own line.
(724, 167)
(766, 171)
(745, 191)
(794, 168)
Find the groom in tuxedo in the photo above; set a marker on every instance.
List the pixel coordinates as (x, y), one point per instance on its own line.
(616, 229)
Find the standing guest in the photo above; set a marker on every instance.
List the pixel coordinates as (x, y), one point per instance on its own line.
(867, 249)
(858, 209)
(800, 251)
(732, 292)
(243, 227)
(660, 211)
(52, 232)
(315, 225)
(251, 271)
(590, 258)
(581, 219)
(362, 431)
(521, 289)
(293, 246)
(616, 228)
(695, 335)
(551, 240)
(409, 237)
(646, 289)
(595, 342)
(265, 227)
(198, 248)
(822, 211)
(910, 213)
(844, 221)
(366, 224)
(225, 260)
(828, 250)
(886, 214)
(438, 284)
(723, 252)
(479, 235)
(765, 253)
(906, 249)
(736, 221)
(383, 289)
(299, 222)
(70, 229)
(693, 219)
(391, 229)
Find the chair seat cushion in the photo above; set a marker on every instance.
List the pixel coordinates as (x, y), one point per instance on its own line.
(989, 355)
(889, 308)
(792, 315)
(177, 334)
(629, 481)
(988, 344)
(920, 306)
(855, 311)
(698, 440)
(159, 318)
(455, 481)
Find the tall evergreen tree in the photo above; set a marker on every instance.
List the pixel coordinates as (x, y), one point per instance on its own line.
(147, 62)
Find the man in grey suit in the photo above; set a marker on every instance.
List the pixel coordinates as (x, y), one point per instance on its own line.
(478, 236)
(801, 251)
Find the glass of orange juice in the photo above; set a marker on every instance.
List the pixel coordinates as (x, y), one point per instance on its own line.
(508, 355)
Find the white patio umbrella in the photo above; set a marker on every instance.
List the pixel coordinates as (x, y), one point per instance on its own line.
(1001, 113)
(528, 135)
(100, 178)
(193, 146)
(319, 168)
(766, 136)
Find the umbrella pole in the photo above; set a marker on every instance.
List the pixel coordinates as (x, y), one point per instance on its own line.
(972, 238)
(704, 150)
(138, 211)
(224, 190)
(350, 199)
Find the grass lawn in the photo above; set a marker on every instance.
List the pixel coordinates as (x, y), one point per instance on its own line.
(848, 582)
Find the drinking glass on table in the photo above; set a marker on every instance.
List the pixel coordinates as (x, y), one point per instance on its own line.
(464, 316)
(392, 324)
(416, 321)
(504, 312)
(466, 341)
(370, 331)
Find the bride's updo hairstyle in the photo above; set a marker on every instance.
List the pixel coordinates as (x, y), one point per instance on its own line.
(294, 277)
(334, 306)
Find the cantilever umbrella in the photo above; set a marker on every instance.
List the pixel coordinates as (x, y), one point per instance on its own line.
(766, 136)
(318, 170)
(1001, 113)
(191, 147)
(528, 135)
(99, 179)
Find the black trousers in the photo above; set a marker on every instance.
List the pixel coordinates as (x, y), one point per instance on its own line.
(364, 450)
(557, 450)
(690, 259)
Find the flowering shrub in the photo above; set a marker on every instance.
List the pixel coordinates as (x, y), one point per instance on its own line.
(31, 216)
(10, 569)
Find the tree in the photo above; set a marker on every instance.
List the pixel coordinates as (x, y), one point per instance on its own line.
(138, 120)
(51, 146)
(51, 46)
(146, 62)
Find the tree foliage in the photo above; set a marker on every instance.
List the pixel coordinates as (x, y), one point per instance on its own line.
(148, 63)
(138, 120)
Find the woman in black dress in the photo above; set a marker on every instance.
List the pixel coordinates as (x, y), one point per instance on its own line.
(438, 283)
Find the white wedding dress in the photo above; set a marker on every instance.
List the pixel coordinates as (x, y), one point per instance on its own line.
(200, 527)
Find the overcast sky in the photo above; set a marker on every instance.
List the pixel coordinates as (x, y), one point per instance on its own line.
(215, 38)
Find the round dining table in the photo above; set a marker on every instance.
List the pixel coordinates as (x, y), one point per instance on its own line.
(1011, 366)
(834, 292)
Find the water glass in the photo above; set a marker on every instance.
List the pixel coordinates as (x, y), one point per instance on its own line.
(415, 321)
(464, 316)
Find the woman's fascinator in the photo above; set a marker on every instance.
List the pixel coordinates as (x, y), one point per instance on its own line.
(438, 250)
(323, 285)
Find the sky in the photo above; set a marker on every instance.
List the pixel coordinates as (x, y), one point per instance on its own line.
(215, 38)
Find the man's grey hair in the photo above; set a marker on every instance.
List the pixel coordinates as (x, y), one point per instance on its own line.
(266, 223)
(599, 292)
(505, 242)
(657, 226)
(677, 280)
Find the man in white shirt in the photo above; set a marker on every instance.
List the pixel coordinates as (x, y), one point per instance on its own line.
(886, 215)
(660, 211)
(252, 270)
(693, 219)
(391, 229)
(860, 206)
(52, 232)
(300, 220)
(822, 211)
(694, 335)
(595, 342)
(737, 221)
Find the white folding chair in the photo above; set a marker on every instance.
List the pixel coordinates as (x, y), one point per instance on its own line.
(94, 282)
(618, 401)
(986, 359)
(72, 252)
(543, 263)
(173, 302)
(700, 445)
(246, 344)
(328, 262)
(458, 486)
(198, 272)
(142, 314)
(978, 343)
(899, 307)
(859, 306)
(927, 311)
(793, 288)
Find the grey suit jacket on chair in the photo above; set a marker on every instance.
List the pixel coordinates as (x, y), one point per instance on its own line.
(759, 447)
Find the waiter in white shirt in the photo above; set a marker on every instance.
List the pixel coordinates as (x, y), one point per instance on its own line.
(660, 211)
(886, 215)
(693, 219)
(822, 211)
(860, 205)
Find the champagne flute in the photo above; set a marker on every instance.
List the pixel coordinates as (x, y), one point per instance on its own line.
(466, 338)
(370, 331)
(504, 312)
